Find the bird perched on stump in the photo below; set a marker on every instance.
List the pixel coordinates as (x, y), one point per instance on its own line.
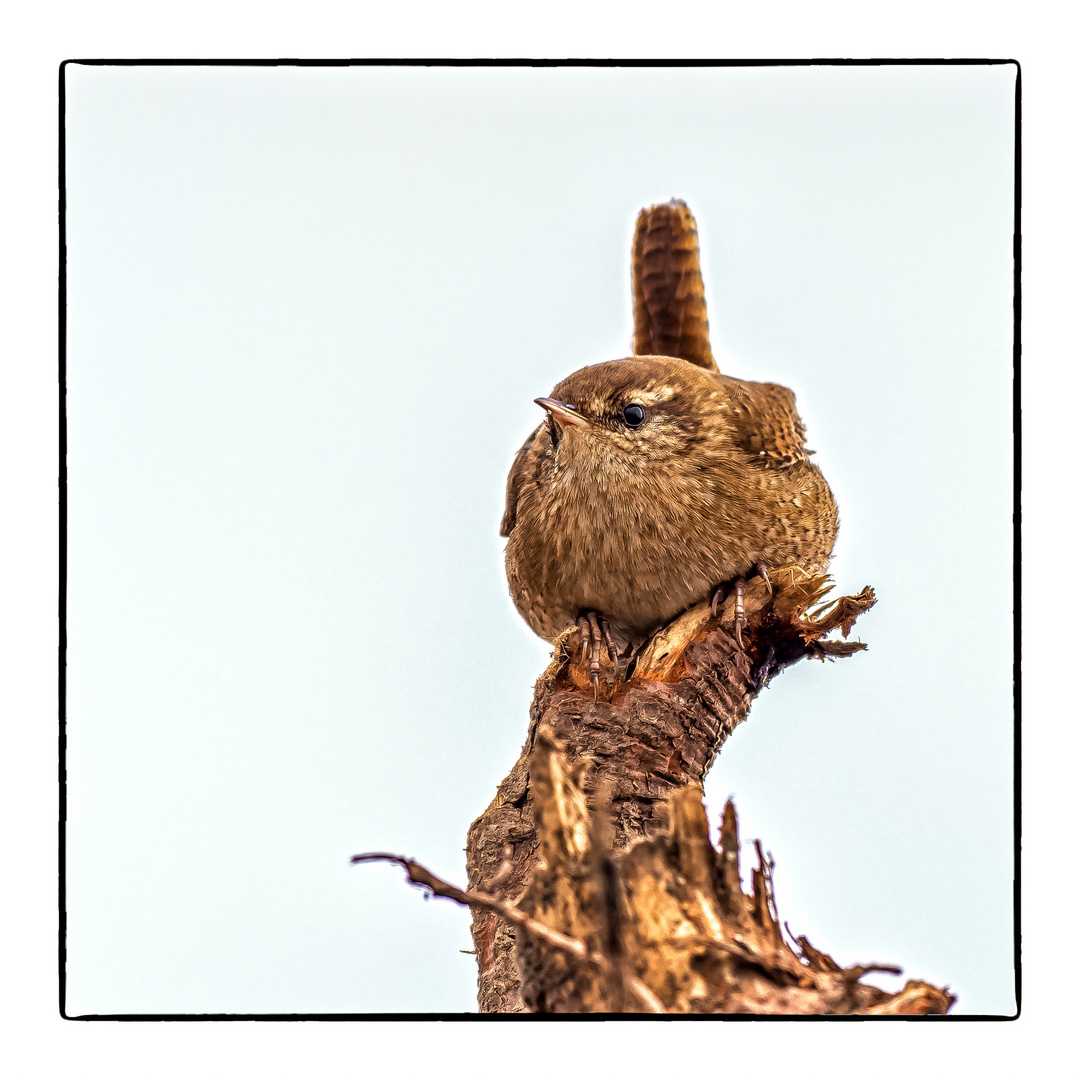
(655, 481)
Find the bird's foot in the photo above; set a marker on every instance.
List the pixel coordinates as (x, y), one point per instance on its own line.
(739, 588)
(594, 630)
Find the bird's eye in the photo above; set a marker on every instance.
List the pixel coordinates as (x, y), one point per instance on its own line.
(633, 416)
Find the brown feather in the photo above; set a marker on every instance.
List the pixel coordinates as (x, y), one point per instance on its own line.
(513, 485)
(767, 426)
(670, 317)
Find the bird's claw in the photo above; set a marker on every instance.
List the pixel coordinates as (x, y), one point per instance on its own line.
(595, 633)
(739, 589)
(763, 573)
(740, 609)
(717, 599)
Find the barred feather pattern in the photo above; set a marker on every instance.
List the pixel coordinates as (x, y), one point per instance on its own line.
(670, 317)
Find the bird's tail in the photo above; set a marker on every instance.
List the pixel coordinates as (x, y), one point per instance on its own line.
(669, 295)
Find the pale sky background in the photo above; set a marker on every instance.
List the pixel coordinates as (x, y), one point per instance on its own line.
(308, 312)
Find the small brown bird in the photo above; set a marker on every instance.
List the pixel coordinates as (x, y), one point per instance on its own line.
(652, 482)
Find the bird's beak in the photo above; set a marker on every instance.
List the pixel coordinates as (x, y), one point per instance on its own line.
(564, 414)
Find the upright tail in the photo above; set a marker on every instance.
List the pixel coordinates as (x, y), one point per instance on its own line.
(669, 294)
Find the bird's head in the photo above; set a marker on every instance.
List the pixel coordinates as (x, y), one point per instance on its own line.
(645, 412)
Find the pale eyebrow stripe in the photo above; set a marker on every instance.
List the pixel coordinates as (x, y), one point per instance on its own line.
(652, 397)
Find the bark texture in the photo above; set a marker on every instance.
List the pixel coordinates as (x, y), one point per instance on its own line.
(655, 730)
(670, 919)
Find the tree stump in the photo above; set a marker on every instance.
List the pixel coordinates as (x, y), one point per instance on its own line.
(665, 926)
(656, 729)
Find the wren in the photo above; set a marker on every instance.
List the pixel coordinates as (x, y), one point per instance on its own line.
(651, 484)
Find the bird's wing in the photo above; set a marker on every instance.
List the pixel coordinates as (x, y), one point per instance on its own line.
(766, 423)
(513, 484)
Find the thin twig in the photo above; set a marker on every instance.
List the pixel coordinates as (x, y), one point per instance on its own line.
(420, 875)
(855, 973)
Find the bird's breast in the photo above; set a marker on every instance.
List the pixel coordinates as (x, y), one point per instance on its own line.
(638, 550)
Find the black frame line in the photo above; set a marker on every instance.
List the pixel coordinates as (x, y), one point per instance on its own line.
(536, 63)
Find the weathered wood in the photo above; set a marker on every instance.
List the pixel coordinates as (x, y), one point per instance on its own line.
(670, 920)
(663, 925)
(655, 730)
